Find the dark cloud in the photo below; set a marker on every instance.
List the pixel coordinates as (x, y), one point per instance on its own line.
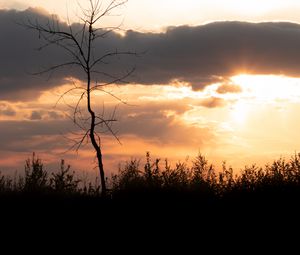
(162, 129)
(157, 122)
(212, 53)
(28, 136)
(229, 88)
(42, 114)
(19, 57)
(198, 55)
(35, 115)
(46, 115)
(55, 115)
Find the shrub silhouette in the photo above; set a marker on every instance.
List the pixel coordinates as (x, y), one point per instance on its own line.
(203, 175)
(36, 178)
(64, 181)
(6, 184)
(155, 180)
(159, 181)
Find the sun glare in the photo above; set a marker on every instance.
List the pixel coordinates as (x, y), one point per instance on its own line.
(239, 112)
(259, 90)
(269, 88)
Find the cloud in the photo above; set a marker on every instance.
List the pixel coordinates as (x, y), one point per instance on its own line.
(154, 126)
(229, 88)
(207, 54)
(198, 55)
(153, 122)
(42, 114)
(19, 58)
(7, 110)
(55, 115)
(161, 123)
(212, 102)
(28, 136)
(35, 115)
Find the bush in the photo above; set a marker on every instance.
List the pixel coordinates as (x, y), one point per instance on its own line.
(64, 181)
(36, 178)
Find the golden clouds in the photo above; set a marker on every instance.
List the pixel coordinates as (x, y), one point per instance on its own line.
(229, 88)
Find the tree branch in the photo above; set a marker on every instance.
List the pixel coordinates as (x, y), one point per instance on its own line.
(111, 54)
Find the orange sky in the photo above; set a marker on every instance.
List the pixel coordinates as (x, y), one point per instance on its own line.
(241, 116)
(252, 125)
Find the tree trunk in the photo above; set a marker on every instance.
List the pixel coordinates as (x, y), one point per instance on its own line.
(93, 139)
(92, 113)
(100, 166)
(97, 149)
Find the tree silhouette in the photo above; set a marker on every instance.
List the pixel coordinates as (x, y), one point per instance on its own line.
(78, 42)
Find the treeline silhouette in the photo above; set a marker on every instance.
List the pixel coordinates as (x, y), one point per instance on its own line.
(37, 181)
(156, 195)
(157, 181)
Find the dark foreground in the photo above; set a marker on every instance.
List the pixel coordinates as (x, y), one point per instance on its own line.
(277, 207)
(154, 221)
(182, 202)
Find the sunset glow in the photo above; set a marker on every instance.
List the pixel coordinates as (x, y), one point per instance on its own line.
(269, 87)
(220, 78)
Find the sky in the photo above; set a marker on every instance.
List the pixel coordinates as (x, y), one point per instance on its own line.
(217, 77)
(151, 15)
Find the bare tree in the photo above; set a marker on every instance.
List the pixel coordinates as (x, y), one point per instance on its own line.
(79, 45)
